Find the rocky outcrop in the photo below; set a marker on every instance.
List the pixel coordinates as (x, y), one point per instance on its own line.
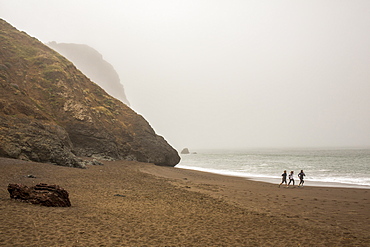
(92, 64)
(28, 139)
(43, 194)
(51, 112)
(185, 151)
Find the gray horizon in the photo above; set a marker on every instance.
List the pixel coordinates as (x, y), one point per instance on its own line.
(227, 74)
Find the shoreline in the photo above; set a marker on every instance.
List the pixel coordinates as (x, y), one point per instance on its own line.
(169, 206)
(311, 183)
(271, 180)
(319, 206)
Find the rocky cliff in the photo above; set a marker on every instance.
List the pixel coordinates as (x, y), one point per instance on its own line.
(51, 112)
(92, 64)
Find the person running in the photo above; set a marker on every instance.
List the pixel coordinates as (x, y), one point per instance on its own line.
(301, 177)
(284, 175)
(291, 178)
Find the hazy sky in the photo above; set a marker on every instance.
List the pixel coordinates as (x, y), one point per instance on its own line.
(227, 73)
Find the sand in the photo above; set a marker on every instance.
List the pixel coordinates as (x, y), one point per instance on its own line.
(134, 204)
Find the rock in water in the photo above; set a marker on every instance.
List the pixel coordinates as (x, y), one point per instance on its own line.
(51, 112)
(185, 151)
(43, 194)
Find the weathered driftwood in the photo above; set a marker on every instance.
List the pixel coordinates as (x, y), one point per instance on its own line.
(44, 194)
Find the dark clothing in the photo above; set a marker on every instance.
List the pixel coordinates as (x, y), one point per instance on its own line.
(301, 176)
(284, 177)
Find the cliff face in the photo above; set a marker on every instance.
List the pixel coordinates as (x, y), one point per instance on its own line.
(51, 112)
(92, 64)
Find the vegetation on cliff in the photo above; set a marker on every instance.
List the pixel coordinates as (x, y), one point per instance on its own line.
(92, 64)
(51, 112)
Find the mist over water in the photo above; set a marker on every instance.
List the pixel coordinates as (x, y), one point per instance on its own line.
(329, 167)
(227, 74)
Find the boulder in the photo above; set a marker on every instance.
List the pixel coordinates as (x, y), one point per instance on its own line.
(185, 151)
(43, 194)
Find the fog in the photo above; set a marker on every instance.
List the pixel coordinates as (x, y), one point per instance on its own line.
(227, 74)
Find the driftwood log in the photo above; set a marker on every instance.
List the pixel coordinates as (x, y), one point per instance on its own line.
(43, 194)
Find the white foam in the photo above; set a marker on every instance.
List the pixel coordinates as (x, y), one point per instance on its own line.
(345, 168)
(324, 182)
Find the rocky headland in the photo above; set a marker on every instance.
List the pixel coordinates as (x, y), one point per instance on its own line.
(51, 112)
(92, 64)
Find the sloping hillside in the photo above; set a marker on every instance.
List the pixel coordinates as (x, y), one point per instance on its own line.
(51, 112)
(92, 64)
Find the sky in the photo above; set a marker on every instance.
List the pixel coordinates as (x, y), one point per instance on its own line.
(227, 74)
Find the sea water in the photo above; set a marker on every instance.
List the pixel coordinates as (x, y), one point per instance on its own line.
(330, 167)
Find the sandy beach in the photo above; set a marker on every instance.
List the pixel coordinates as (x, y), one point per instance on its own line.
(126, 203)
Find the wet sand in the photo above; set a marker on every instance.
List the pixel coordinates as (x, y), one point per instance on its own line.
(135, 204)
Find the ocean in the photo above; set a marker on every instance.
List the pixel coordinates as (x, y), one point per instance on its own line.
(329, 167)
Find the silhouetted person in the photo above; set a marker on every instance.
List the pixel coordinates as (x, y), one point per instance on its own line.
(301, 177)
(283, 180)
